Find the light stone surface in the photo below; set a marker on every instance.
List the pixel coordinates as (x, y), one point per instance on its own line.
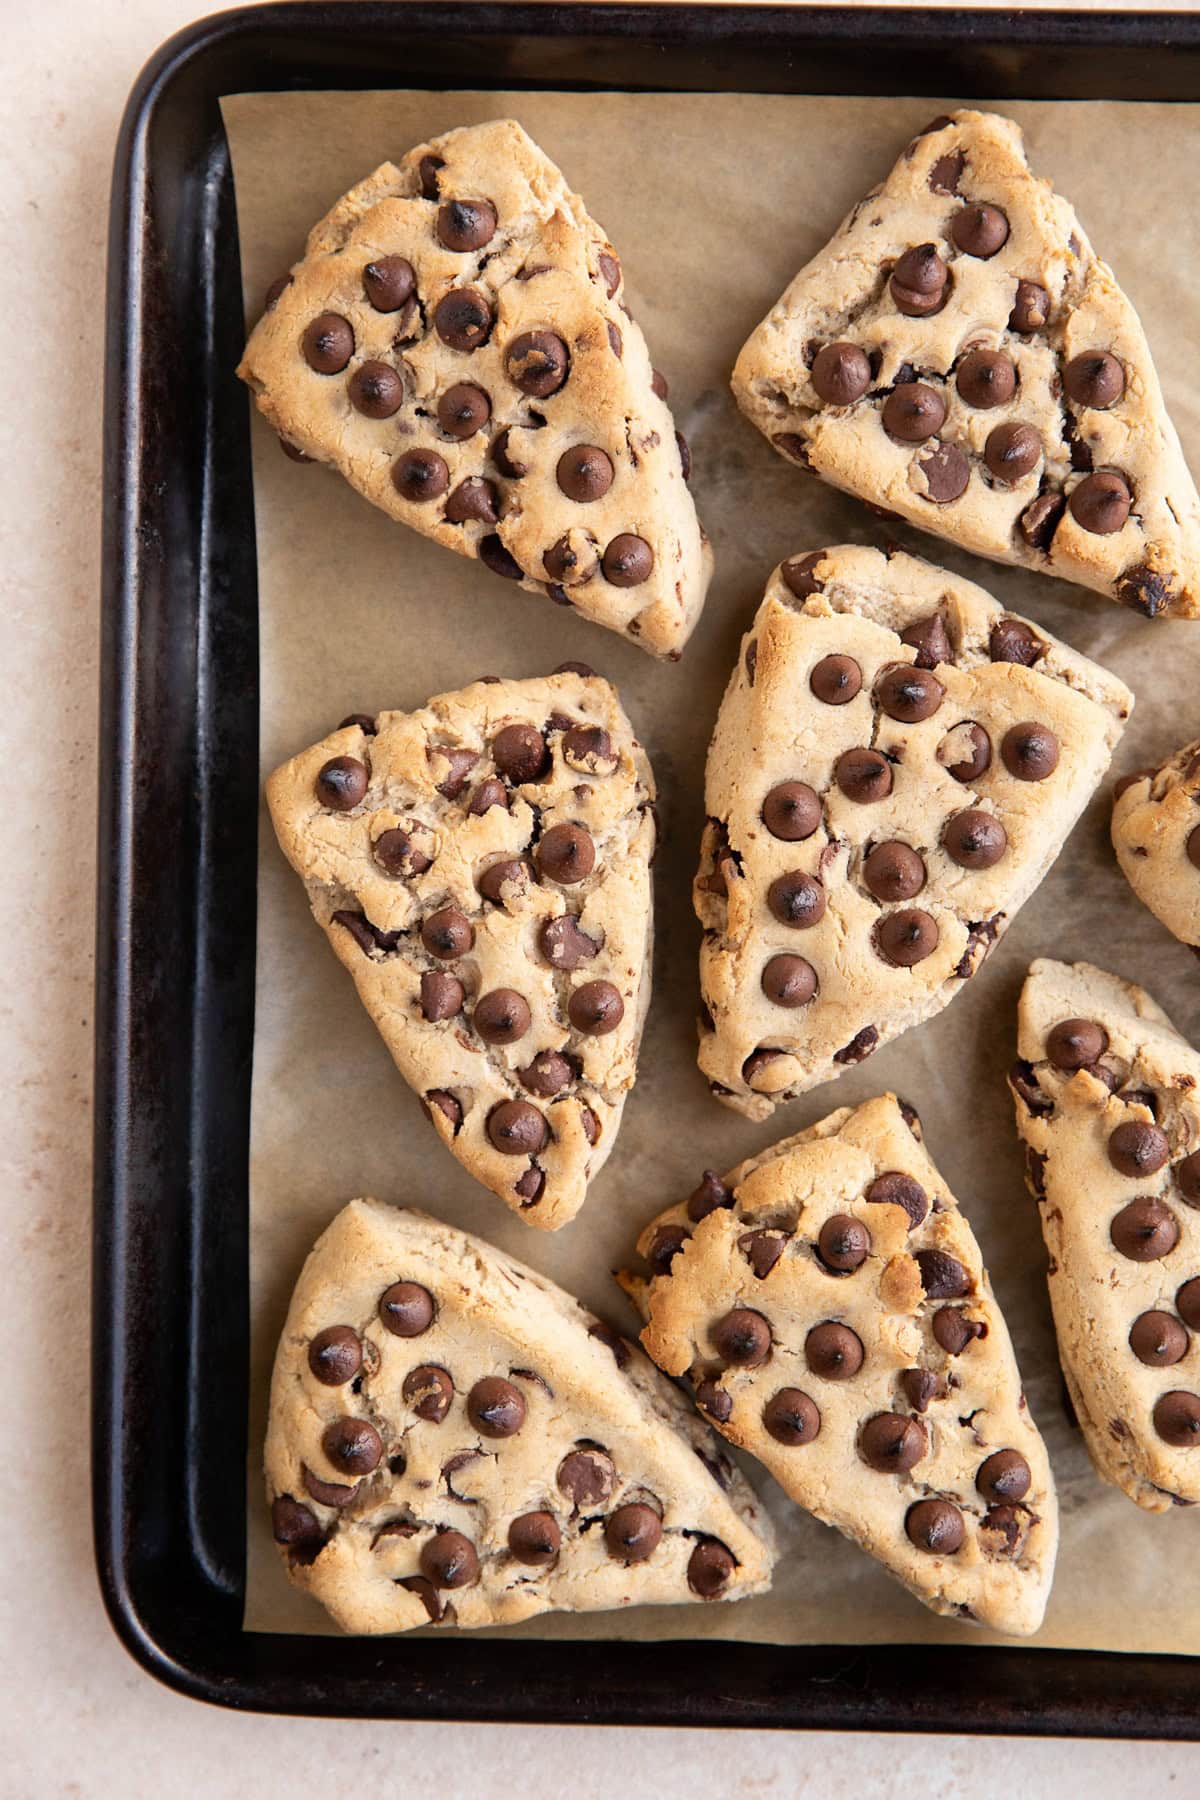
(76, 1716)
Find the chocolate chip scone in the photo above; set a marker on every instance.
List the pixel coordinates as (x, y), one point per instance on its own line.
(829, 1306)
(1107, 1096)
(455, 343)
(959, 355)
(453, 1438)
(1156, 835)
(896, 763)
(482, 868)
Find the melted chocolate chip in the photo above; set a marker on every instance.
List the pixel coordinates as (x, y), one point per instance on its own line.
(942, 1276)
(537, 362)
(587, 1475)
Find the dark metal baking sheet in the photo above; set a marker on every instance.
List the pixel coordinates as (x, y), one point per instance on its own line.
(178, 818)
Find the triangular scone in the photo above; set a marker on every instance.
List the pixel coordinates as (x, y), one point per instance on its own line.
(1108, 1102)
(958, 354)
(455, 342)
(482, 868)
(829, 1306)
(896, 764)
(453, 1438)
(1156, 835)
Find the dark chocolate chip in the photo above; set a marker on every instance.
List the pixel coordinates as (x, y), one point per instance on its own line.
(986, 378)
(913, 411)
(796, 899)
(537, 362)
(1031, 308)
(420, 475)
(1158, 1339)
(893, 871)
(919, 282)
(466, 224)
(980, 230)
(447, 934)
(844, 1243)
(328, 343)
(341, 783)
(935, 1526)
(406, 1309)
(953, 1331)
(376, 390)
(942, 1276)
(709, 1196)
(947, 472)
(974, 839)
(798, 574)
(610, 271)
(587, 1476)
(584, 473)
(1137, 1148)
(448, 1105)
(833, 1352)
(297, 1528)
(429, 1390)
(1145, 1230)
(1011, 452)
(791, 1417)
(1094, 378)
(564, 944)
(501, 1016)
(710, 1568)
(353, 1446)
(789, 981)
(535, 1539)
(841, 374)
(463, 410)
(516, 1128)
(713, 1400)
(930, 639)
(633, 1532)
(428, 170)
(665, 1246)
(547, 1075)
(1076, 1043)
(835, 680)
(628, 561)
(895, 1188)
(863, 775)
(449, 1560)
(892, 1444)
(596, 1008)
(335, 1355)
(1187, 1302)
(1101, 503)
(1029, 751)
(909, 694)
(499, 875)
(921, 1387)
(907, 937)
(861, 1045)
(1039, 521)
(566, 854)
(442, 995)
(396, 853)
(520, 753)
(463, 319)
(742, 1337)
(495, 1407)
(389, 283)
(791, 811)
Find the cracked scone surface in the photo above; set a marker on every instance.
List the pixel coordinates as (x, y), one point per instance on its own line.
(1107, 1097)
(959, 355)
(455, 343)
(482, 868)
(454, 1439)
(896, 763)
(1156, 836)
(828, 1304)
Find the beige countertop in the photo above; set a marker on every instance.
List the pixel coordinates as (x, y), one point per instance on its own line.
(76, 1716)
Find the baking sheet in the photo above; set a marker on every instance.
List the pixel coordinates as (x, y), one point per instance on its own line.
(713, 202)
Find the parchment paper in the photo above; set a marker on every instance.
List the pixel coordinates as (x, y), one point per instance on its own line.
(713, 203)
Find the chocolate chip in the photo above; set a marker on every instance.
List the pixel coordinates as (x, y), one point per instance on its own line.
(633, 1532)
(921, 1386)
(501, 1016)
(428, 170)
(945, 174)
(709, 1569)
(907, 937)
(974, 839)
(1137, 1148)
(1012, 641)
(612, 1340)
(935, 1526)
(1039, 521)
(531, 1185)
(929, 638)
(461, 762)
(798, 574)
(389, 283)
(841, 374)
(986, 378)
(980, 230)
(1094, 378)
(894, 1188)
(589, 749)
(1101, 502)
(396, 853)
(472, 499)
(1031, 308)
(275, 292)
(1177, 1419)
(628, 561)
(919, 282)
(429, 1391)
(420, 475)
(863, 776)
(463, 319)
(449, 1560)
(1012, 452)
(844, 1243)
(789, 981)
(942, 1276)
(665, 1246)
(503, 458)
(743, 1338)
(1192, 848)
(953, 1331)
(970, 745)
(293, 452)
(1074, 1043)
(564, 944)
(495, 1407)
(709, 1196)
(714, 1401)
(947, 472)
(1029, 751)
(1187, 1302)
(335, 1355)
(466, 224)
(516, 1129)
(297, 1528)
(447, 933)
(535, 1539)
(1148, 591)
(1187, 1174)
(893, 871)
(913, 412)
(1158, 1339)
(520, 754)
(835, 680)
(791, 811)
(494, 555)
(368, 937)
(406, 1309)
(352, 1445)
(909, 694)
(463, 410)
(447, 1104)
(566, 854)
(376, 390)
(610, 271)
(1145, 1230)
(596, 1008)
(341, 783)
(584, 473)
(791, 1418)
(892, 1444)
(796, 899)
(537, 362)
(498, 875)
(587, 1476)
(833, 1351)
(328, 343)
(489, 793)
(1005, 1475)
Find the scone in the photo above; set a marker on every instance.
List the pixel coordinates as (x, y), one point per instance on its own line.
(959, 355)
(1156, 835)
(896, 764)
(828, 1304)
(455, 342)
(1108, 1103)
(482, 868)
(453, 1438)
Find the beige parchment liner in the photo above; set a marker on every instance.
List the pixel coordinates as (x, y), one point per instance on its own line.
(713, 203)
